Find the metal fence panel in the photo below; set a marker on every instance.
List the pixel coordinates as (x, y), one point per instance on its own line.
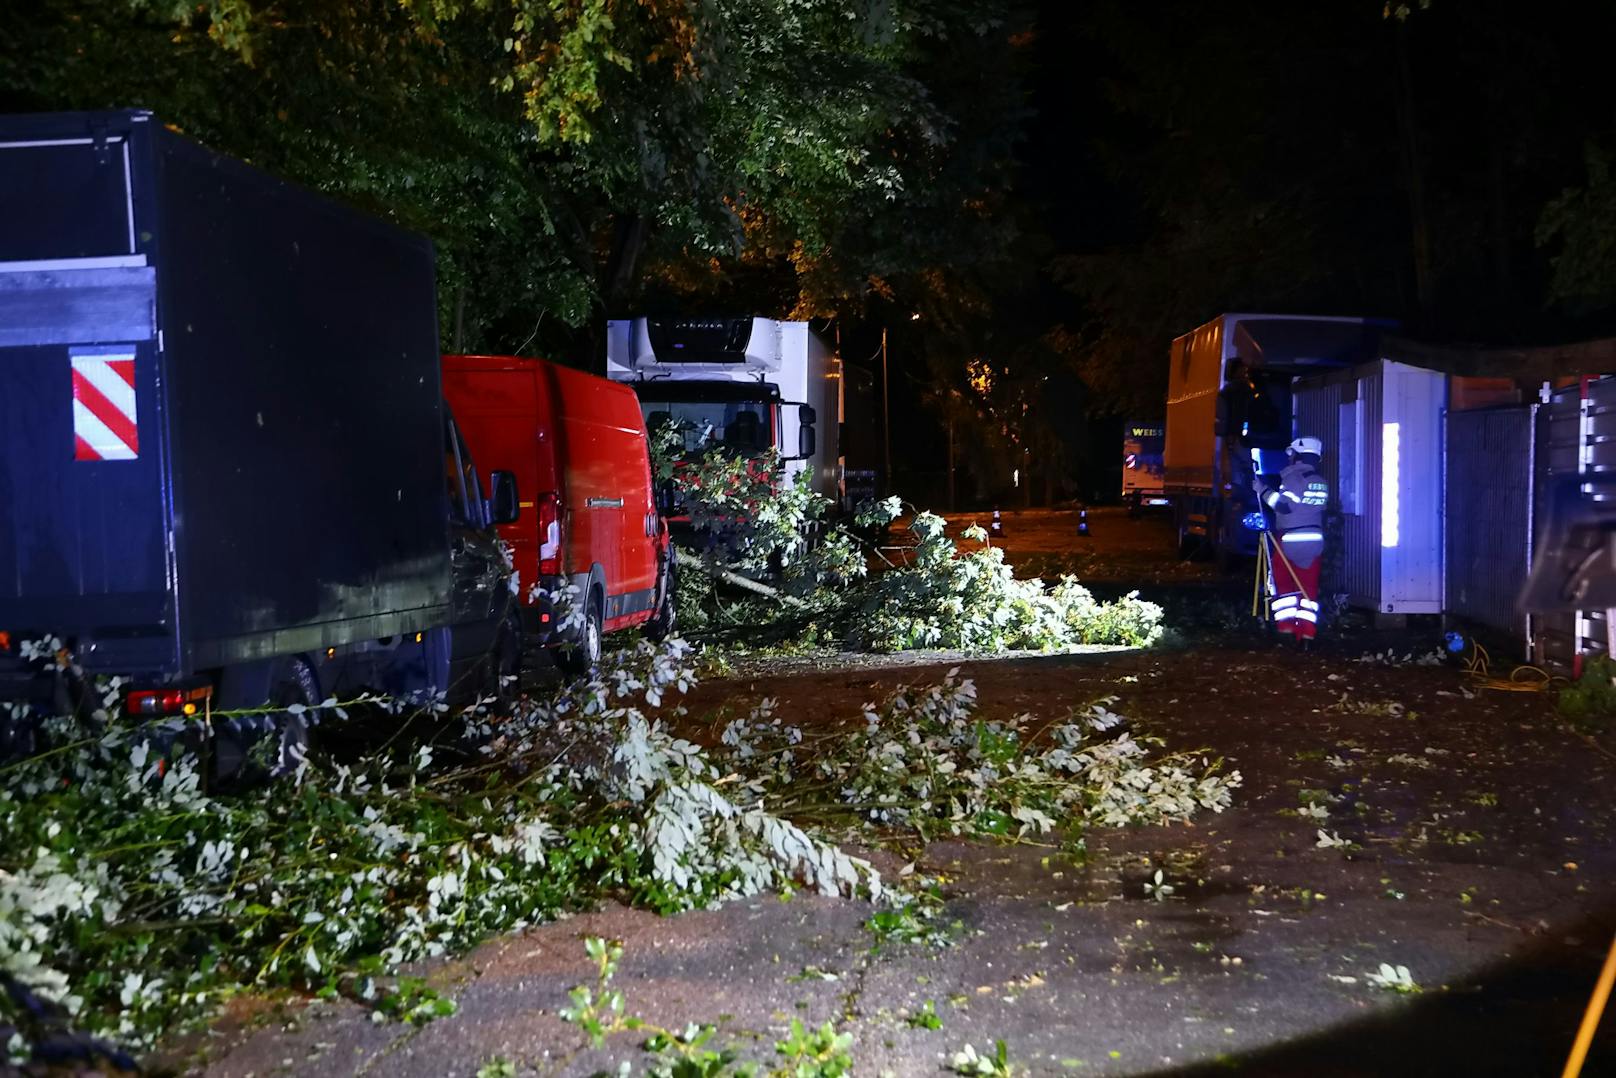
(1488, 504)
(1567, 445)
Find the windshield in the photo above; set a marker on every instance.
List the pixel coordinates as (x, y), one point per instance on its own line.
(740, 426)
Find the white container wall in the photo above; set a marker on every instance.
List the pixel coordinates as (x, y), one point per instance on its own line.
(1381, 425)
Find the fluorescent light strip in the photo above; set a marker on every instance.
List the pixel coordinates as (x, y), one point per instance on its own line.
(1391, 466)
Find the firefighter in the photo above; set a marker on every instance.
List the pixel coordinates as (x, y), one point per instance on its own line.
(1298, 505)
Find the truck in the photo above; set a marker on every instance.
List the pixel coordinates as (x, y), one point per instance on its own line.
(749, 385)
(1229, 415)
(1142, 465)
(577, 444)
(227, 473)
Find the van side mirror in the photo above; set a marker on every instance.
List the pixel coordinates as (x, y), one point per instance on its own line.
(805, 439)
(806, 415)
(503, 505)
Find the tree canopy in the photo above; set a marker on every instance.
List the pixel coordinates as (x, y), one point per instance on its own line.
(574, 159)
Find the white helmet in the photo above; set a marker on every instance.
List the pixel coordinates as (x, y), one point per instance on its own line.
(1307, 445)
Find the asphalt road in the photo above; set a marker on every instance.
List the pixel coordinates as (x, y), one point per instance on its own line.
(1481, 860)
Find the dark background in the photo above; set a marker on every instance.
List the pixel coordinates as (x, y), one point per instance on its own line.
(1183, 159)
(1113, 174)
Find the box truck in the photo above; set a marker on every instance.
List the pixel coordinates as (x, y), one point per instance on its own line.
(1229, 415)
(226, 468)
(748, 385)
(1142, 466)
(577, 446)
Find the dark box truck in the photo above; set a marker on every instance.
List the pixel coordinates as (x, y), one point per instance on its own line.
(225, 463)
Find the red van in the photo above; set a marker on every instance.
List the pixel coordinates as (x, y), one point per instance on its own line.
(578, 448)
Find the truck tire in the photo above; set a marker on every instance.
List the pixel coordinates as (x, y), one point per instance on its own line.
(506, 659)
(1188, 545)
(581, 657)
(239, 758)
(661, 625)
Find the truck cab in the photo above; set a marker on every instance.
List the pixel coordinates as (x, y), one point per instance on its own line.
(747, 385)
(1142, 466)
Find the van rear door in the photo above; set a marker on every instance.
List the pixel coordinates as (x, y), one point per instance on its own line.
(641, 525)
(504, 407)
(83, 535)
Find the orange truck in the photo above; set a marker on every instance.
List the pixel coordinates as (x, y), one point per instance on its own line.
(588, 527)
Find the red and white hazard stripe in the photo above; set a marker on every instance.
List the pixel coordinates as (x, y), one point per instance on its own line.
(104, 425)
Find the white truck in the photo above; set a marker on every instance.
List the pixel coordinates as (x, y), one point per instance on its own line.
(747, 384)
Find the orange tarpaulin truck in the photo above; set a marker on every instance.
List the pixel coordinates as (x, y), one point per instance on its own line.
(1229, 415)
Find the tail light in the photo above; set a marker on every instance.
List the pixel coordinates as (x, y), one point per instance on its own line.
(549, 513)
(167, 701)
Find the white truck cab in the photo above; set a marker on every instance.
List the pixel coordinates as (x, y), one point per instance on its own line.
(748, 384)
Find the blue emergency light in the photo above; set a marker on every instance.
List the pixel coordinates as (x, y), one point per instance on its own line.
(1255, 522)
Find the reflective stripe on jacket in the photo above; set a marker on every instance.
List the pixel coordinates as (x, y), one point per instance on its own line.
(1300, 499)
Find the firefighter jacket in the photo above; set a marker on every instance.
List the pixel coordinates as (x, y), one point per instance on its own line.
(1298, 504)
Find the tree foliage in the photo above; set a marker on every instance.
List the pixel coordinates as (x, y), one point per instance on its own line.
(1581, 227)
(134, 902)
(1256, 162)
(563, 154)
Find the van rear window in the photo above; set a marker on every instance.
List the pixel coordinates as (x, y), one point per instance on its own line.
(64, 199)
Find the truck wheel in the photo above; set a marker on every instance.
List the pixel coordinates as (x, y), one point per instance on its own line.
(248, 749)
(660, 627)
(1188, 545)
(583, 656)
(505, 661)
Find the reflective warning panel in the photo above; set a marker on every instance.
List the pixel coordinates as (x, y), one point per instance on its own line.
(104, 420)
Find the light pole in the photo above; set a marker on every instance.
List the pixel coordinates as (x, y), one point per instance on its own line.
(886, 417)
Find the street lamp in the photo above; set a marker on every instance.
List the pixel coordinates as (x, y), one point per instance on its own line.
(886, 416)
(886, 408)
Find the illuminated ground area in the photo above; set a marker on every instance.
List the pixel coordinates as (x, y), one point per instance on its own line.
(1478, 855)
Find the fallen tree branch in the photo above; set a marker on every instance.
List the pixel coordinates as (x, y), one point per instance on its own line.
(685, 558)
(1597, 747)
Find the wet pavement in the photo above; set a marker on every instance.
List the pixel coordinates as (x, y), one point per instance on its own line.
(1478, 855)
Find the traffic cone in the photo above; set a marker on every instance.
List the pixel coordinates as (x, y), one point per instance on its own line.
(1082, 523)
(996, 529)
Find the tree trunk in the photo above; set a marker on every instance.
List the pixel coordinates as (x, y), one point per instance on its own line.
(690, 561)
(629, 233)
(1498, 163)
(460, 320)
(1414, 173)
(886, 421)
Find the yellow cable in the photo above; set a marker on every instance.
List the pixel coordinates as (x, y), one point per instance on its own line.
(1479, 667)
(1590, 1017)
